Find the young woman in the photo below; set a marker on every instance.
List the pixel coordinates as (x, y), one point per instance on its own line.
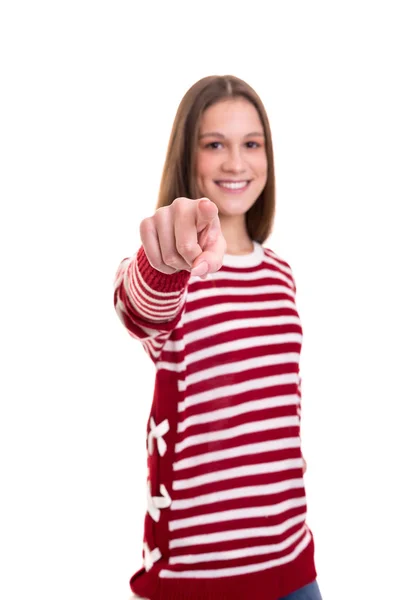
(215, 310)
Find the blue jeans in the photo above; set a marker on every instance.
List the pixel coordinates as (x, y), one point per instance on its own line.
(309, 592)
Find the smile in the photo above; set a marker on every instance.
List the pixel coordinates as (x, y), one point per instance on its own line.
(233, 185)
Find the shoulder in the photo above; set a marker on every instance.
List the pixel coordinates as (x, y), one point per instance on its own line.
(276, 261)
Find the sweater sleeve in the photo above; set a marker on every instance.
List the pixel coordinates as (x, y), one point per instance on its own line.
(149, 303)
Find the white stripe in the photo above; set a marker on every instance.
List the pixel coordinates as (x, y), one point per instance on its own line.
(178, 367)
(145, 305)
(243, 492)
(226, 413)
(237, 534)
(159, 341)
(149, 349)
(262, 273)
(176, 345)
(243, 307)
(218, 349)
(242, 365)
(228, 391)
(252, 427)
(253, 291)
(120, 307)
(136, 286)
(246, 470)
(246, 450)
(242, 344)
(237, 514)
(192, 559)
(232, 571)
(273, 259)
(148, 304)
(120, 274)
(233, 324)
(155, 345)
(275, 339)
(148, 312)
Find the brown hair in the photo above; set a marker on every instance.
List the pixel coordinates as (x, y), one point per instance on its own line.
(178, 177)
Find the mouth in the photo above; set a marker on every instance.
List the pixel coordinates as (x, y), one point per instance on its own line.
(233, 186)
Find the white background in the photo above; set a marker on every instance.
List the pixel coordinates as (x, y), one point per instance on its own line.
(88, 94)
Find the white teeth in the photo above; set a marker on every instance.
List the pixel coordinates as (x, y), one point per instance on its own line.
(233, 185)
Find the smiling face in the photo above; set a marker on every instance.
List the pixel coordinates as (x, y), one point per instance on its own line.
(231, 160)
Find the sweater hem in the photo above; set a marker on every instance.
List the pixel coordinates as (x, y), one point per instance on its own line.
(270, 584)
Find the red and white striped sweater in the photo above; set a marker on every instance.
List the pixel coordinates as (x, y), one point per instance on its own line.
(226, 500)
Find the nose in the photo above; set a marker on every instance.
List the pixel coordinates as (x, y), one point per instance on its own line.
(234, 161)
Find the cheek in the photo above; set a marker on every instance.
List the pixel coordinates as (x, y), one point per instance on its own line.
(205, 165)
(260, 169)
(261, 165)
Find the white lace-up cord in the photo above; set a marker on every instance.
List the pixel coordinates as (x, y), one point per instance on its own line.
(150, 557)
(156, 433)
(154, 503)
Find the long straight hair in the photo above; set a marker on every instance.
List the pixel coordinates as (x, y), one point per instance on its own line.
(179, 177)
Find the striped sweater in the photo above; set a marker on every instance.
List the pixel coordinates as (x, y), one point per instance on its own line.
(226, 516)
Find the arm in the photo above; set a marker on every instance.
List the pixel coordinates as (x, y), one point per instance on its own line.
(149, 303)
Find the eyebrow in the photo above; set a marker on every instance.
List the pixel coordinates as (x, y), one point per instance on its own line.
(220, 135)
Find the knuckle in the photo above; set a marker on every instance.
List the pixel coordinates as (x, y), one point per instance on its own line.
(145, 224)
(185, 248)
(180, 203)
(146, 230)
(160, 212)
(172, 261)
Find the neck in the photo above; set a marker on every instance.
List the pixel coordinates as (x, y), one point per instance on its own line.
(237, 238)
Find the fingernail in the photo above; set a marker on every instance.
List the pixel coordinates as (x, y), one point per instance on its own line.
(200, 270)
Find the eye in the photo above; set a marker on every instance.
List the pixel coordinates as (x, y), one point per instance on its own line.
(253, 145)
(213, 145)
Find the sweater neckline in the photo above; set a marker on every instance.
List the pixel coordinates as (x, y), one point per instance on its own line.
(252, 259)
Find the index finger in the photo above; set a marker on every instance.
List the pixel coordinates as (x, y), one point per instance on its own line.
(205, 214)
(213, 252)
(213, 245)
(191, 217)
